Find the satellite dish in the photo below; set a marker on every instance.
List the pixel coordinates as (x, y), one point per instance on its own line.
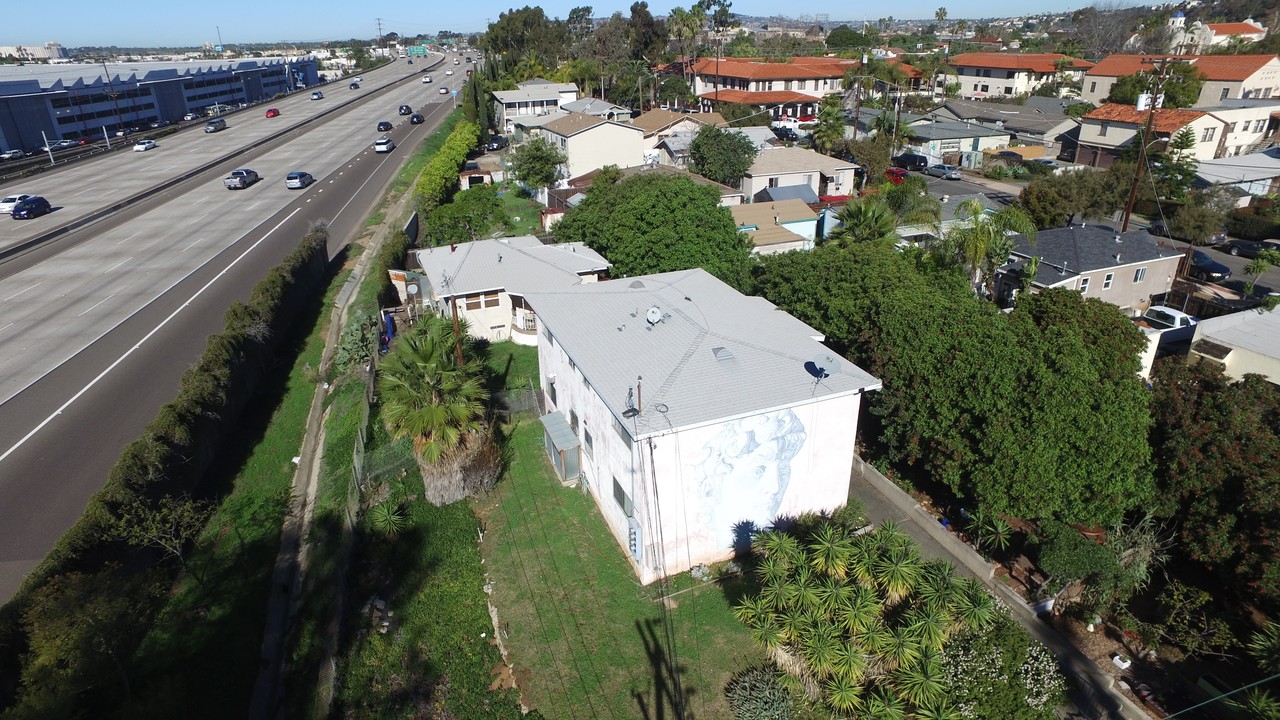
(413, 288)
(653, 315)
(821, 366)
(630, 413)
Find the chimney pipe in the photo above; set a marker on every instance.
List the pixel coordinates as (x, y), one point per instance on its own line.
(453, 248)
(639, 395)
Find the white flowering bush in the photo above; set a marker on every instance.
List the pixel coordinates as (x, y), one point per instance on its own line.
(1001, 672)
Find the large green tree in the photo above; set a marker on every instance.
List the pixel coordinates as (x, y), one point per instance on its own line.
(1051, 201)
(721, 155)
(828, 136)
(651, 223)
(1217, 449)
(472, 215)
(538, 164)
(1181, 86)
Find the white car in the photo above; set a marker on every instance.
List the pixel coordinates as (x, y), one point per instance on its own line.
(384, 145)
(191, 116)
(12, 155)
(449, 71)
(359, 78)
(426, 80)
(6, 205)
(444, 90)
(144, 145)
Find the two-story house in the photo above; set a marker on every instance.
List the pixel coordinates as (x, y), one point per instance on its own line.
(787, 89)
(1106, 130)
(1124, 269)
(589, 142)
(794, 166)
(485, 282)
(692, 414)
(1030, 124)
(997, 74)
(658, 124)
(531, 98)
(1199, 36)
(1226, 77)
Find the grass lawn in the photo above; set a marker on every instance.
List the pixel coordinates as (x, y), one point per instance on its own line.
(515, 365)
(585, 637)
(522, 213)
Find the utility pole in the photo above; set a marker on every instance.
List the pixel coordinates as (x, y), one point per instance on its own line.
(115, 100)
(379, 31)
(1160, 65)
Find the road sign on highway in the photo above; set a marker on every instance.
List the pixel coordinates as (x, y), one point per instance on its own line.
(417, 49)
(455, 93)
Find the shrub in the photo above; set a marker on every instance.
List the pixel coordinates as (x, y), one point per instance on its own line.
(757, 693)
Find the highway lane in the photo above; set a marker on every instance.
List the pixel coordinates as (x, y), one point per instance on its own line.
(60, 435)
(82, 188)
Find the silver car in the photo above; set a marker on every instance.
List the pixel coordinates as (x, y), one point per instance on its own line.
(6, 205)
(297, 180)
(941, 170)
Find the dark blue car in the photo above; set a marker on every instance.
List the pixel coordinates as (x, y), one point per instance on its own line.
(34, 206)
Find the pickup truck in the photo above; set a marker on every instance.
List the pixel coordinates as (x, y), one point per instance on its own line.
(240, 179)
(1175, 326)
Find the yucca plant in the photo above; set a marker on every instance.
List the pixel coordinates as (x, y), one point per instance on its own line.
(922, 682)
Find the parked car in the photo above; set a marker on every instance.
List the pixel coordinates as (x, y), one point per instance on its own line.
(426, 79)
(384, 145)
(13, 155)
(59, 145)
(32, 206)
(1249, 248)
(191, 116)
(1160, 228)
(317, 95)
(10, 201)
(1207, 269)
(298, 180)
(1047, 162)
(122, 132)
(497, 142)
(416, 119)
(158, 124)
(896, 175)
(911, 161)
(944, 171)
(1176, 324)
(384, 126)
(144, 145)
(273, 112)
(783, 132)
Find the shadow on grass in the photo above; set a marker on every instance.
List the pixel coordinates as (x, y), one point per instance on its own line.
(667, 697)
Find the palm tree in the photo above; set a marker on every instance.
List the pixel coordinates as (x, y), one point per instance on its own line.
(937, 589)
(770, 570)
(981, 241)
(807, 594)
(829, 134)
(911, 203)
(753, 611)
(426, 396)
(833, 594)
(863, 220)
(862, 558)
(928, 626)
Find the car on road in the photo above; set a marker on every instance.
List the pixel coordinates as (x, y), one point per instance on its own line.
(911, 161)
(298, 180)
(32, 206)
(384, 126)
(273, 112)
(144, 145)
(359, 78)
(354, 86)
(416, 119)
(1160, 228)
(896, 175)
(1249, 248)
(59, 145)
(1207, 269)
(317, 95)
(426, 79)
(191, 116)
(444, 89)
(214, 125)
(406, 110)
(944, 171)
(497, 142)
(384, 145)
(449, 71)
(9, 201)
(13, 154)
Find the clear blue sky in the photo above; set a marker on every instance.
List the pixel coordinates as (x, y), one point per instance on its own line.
(148, 23)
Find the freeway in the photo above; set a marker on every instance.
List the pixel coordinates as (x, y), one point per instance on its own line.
(98, 324)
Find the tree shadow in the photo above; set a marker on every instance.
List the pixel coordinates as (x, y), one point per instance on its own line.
(667, 698)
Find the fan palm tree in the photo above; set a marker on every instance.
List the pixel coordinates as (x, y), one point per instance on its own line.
(921, 682)
(862, 221)
(426, 396)
(912, 204)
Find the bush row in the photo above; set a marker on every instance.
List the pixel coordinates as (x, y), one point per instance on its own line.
(174, 451)
(1246, 224)
(439, 179)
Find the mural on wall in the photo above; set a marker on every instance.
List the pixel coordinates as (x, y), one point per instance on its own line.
(743, 472)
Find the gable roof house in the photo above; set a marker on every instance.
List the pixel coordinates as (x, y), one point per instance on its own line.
(1106, 130)
(1200, 36)
(589, 142)
(658, 124)
(998, 74)
(779, 226)
(1124, 269)
(673, 150)
(530, 99)
(487, 280)
(692, 413)
(599, 108)
(1257, 173)
(1028, 124)
(1226, 76)
(951, 141)
(793, 166)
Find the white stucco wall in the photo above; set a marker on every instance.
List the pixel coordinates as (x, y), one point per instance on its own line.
(604, 144)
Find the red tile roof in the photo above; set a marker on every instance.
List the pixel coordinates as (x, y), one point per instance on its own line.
(816, 68)
(1033, 62)
(1237, 28)
(1212, 67)
(1166, 121)
(764, 97)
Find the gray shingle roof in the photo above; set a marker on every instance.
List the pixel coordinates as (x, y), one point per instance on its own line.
(517, 265)
(715, 354)
(1068, 251)
(947, 130)
(596, 106)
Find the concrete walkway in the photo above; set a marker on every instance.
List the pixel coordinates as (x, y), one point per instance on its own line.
(1092, 691)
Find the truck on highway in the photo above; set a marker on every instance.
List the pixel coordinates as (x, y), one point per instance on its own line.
(240, 179)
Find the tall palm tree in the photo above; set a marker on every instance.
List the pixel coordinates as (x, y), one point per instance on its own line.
(426, 396)
(911, 203)
(863, 220)
(980, 241)
(829, 134)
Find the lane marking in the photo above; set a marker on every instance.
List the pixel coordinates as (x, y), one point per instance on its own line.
(145, 338)
(97, 304)
(113, 267)
(120, 242)
(22, 291)
(195, 242)
(202, 217)
(6, 327)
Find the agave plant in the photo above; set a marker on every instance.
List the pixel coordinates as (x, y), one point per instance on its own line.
(881, 704)
(940, 710)
(896, 573)
(861, 611)
(387, 518)
(974, 607)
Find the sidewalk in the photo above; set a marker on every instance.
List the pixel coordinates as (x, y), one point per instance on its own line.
(1092, 693)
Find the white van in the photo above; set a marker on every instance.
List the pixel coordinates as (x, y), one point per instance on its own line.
(384, 145)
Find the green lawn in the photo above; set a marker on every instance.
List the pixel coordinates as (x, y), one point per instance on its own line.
(515, 365)
(586, 638)
(522, 213)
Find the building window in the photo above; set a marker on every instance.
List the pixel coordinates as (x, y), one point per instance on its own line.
(1261, 123)
(1225, 93)
(1009, 74)
(803, 83)
(624, 501)
(773, 182)
(975, 87)
(1008, 90)
(551, 390)
(475, 302)
(573, 420)
(986, 72)
(589, 443)
(1106, 280)
(1208, 135)
(1266, 93)
(1232, 127)
(986, 88)
(1084, 285)
(1093, 87)
(1102, 129)
(1139, 275)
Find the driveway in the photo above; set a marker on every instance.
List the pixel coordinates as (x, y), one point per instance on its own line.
(1269, 281)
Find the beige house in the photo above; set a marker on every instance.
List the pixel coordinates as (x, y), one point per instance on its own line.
(1248, 125)
(998, 74)
(530, 99)
(1243, 342)
(485, 281)
(659, 124)
(590, 143)
(776, 227)
(1226, 76)
(1124, 269)
(1106, 130)
(810, 77)
(788, 166)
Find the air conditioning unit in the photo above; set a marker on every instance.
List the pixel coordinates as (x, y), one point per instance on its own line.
(635, 539)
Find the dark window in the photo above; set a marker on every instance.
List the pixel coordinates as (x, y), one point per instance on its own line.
(624, 501)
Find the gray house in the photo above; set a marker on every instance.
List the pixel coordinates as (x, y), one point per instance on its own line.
(1029, 124)
(1124, 269)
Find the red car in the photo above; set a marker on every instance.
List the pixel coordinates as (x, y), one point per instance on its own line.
(273, 113)
(895, 175)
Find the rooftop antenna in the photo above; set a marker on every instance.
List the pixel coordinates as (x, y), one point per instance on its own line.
(631, 410)
(820, 367)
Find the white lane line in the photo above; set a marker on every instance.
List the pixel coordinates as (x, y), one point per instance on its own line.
(202, 217)
(119, 242)
(97, 304)
(113, 267)
(194, 243)
(6, 327)
(145, 338)
(22, 291)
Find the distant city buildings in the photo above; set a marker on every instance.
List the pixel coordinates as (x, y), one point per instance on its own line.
(50, 51)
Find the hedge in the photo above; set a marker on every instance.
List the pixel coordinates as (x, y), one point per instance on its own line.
(439, 179)
(1246, 225)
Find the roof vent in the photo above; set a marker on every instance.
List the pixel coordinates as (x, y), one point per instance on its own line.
(653, 315)
(636, 285)
(1117, 257)
(722, 353)
(1117, 238)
